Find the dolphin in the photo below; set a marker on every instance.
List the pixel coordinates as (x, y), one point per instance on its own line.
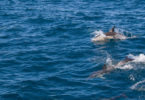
(109, 68)
(109, 35)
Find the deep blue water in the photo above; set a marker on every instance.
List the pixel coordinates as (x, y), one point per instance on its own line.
(46, 51)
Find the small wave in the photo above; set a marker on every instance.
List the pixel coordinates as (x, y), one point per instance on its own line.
(139, 86)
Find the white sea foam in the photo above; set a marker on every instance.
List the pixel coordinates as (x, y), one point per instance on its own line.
(137, 59)
(139, 86)
(98, 36)
(126, 66)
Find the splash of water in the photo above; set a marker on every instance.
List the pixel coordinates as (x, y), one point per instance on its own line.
(124, 32)
(109, 59)
(131, 77)
(126, 66)
(98, 36)
(137, 59)
(120, 36)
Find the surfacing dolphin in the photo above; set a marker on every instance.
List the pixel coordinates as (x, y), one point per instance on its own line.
(109, 35)
(107, 69)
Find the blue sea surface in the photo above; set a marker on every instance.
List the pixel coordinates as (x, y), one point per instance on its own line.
(46, 52)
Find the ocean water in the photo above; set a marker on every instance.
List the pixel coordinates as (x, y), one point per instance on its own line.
(46, 52)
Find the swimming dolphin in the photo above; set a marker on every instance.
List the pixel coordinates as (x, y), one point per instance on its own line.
(107, 69)
(109, 35)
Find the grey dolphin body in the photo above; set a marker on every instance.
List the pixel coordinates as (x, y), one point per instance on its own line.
(107, 69)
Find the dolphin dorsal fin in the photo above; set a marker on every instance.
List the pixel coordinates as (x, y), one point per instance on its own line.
(112, 30)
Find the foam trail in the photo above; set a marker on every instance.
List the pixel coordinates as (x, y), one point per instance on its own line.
(139, 86)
